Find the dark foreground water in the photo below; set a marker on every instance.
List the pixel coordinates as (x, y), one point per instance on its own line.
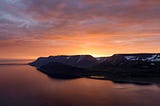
(23, 85)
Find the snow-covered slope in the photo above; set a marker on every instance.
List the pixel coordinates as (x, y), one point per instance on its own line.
(88, 60)
(133, 60)
(151, 57)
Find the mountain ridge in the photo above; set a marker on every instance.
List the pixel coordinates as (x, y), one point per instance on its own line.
(117, 65)
(76, 59)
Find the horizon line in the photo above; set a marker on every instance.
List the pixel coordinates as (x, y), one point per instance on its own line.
(18, 59)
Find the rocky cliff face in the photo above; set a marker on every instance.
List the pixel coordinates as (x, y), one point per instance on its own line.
(116, 66)
(142, 57)
(127, 60)
(76, 60)
(59, 70)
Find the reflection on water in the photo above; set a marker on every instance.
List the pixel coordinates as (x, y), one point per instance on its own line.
(23, 85)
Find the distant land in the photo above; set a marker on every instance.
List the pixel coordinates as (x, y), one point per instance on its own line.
(15, 61)
(117, 66)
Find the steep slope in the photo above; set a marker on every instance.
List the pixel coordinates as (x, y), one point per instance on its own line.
(119, 65)
(75, 60)
(131, 65)
(59, 70)
(128, 60)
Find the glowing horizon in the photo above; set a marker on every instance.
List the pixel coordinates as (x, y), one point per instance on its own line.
(34, 28)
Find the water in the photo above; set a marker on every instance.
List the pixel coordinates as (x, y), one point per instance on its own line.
(23, 85)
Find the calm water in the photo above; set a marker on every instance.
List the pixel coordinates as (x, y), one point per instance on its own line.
(23, 85)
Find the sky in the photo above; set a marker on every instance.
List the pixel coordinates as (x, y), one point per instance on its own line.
(33, 28)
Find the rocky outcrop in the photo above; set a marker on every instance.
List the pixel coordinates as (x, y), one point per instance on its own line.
(59, 70)
(132, 60)
(118, 65)
(131, 65)
(75, 60)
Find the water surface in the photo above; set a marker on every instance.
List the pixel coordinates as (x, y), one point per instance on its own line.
(23, 85)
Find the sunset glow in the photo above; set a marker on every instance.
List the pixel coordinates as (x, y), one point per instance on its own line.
(33, 28)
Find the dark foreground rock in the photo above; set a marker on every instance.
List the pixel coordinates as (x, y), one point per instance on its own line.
(59, 70)
(131, 65)
(74, 60)
(119, 66)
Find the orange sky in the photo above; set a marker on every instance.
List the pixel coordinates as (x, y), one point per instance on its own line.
(33, 28)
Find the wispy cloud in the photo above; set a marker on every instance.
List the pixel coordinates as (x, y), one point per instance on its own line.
(78, 25)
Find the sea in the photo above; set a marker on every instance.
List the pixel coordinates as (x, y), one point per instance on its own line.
(23, 85)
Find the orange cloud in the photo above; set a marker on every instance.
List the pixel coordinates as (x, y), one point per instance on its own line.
(32, 28)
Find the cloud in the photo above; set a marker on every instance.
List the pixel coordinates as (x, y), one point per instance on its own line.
(80, 23)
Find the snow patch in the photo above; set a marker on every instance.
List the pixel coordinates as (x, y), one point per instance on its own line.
(153, 58)
(67, 57)
(98, 59)
(131, 57)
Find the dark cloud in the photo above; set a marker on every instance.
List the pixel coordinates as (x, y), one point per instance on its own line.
(58, 20)
(61, 15)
